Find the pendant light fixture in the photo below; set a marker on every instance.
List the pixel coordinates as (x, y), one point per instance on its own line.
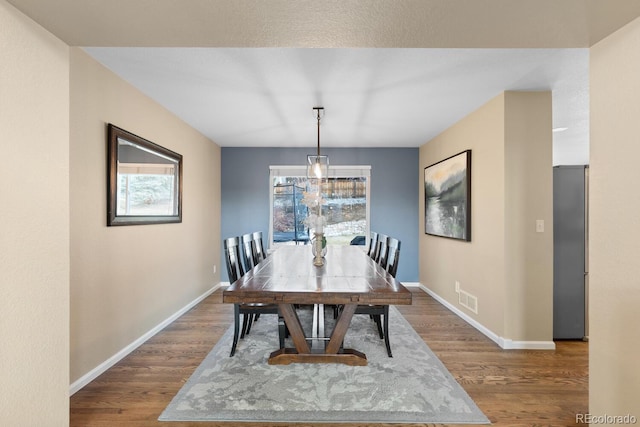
(317, 174)
(318, 165)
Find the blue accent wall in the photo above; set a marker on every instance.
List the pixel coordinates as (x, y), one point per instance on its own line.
(394, 192)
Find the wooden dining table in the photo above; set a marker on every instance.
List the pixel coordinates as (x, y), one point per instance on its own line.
(288, 277)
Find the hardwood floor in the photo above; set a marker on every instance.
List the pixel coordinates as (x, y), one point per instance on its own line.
(513, 388)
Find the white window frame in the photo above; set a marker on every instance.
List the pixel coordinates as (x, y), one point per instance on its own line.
(337, 171)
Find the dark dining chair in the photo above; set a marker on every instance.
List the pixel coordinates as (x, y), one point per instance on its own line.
(380, 313)
(253, 253)
(249, 311)
(393, 255)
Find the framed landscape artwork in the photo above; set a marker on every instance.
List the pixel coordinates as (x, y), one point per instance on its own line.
(447, 197)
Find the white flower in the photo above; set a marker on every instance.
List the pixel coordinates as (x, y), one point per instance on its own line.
(315, 221)
(312, 200)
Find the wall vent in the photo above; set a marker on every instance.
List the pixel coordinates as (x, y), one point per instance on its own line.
(468, 301)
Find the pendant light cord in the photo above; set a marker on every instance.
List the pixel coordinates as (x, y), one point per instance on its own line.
(318, 111)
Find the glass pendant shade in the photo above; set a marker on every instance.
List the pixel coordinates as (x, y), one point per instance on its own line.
(317, 173)
(317, 167)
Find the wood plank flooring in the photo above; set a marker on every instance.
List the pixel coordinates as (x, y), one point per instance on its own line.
(513, 388)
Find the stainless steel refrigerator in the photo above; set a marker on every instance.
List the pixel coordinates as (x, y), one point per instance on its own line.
(570, 252)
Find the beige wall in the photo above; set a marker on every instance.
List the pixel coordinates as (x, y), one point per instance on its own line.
(478, 265)
(126, 280)
(507, 266)
(614, 297)
(34, 224)
(528, 197)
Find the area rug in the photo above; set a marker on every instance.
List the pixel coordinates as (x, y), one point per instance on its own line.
(411, 387)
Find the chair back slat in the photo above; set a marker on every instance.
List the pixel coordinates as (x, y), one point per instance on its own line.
(393, 255)
(373, 243)
(260, 254)
(381, 255)
(233, 258)
(248, 251)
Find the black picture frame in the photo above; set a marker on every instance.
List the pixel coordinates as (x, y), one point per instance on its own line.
(447, 197)
(144, 180)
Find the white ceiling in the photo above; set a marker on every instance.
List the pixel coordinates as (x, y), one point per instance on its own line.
(389, 73)
(372, 97)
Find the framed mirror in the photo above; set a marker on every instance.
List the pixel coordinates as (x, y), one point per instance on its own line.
(144, 182)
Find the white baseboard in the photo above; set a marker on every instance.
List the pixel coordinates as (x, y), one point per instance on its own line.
(508, 344)
(504, 343)
(412, 284)
(100, 369)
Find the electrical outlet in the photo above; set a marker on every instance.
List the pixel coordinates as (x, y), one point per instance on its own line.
(457, 286)
(215, 268)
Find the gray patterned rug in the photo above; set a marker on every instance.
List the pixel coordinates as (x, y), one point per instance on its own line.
(412, 387)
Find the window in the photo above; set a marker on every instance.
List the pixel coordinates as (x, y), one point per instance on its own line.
(346, 211)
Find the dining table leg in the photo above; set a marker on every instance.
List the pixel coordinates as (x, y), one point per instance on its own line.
(340, 329)
(332, 353)
(292, 321)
